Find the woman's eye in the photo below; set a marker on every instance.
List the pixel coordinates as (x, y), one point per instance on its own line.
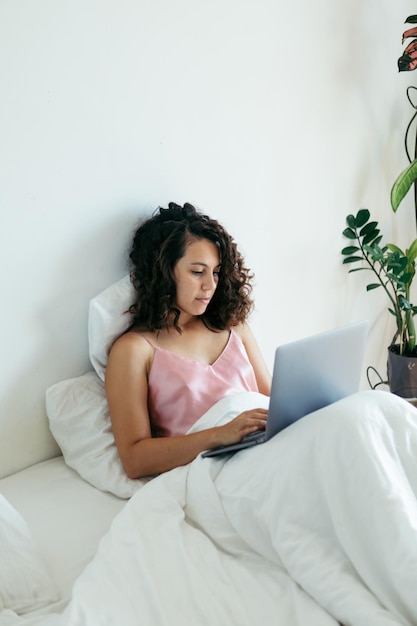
(201, 272)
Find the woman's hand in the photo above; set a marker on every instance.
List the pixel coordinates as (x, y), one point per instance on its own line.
(244, 424)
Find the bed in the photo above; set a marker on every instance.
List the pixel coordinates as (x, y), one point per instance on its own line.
(317, 527)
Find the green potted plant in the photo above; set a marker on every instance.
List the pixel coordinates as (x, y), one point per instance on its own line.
(393, 269)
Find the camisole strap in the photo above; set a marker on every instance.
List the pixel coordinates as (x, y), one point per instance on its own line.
(151, 343)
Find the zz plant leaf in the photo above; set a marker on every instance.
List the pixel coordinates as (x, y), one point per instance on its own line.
(393, 268)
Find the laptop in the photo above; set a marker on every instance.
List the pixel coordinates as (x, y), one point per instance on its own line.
(308, 375)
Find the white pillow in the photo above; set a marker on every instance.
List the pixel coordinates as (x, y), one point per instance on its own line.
(25, 583)
(107, 320)
(79, 420)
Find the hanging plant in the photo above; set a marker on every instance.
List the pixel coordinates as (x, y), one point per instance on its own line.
(406, 63)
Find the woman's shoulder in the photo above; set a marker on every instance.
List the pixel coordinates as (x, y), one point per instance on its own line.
(133, 343)
(242, 330)
(263, 377)
(131, 357)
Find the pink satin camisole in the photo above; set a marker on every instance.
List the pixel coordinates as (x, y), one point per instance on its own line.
(180, 389)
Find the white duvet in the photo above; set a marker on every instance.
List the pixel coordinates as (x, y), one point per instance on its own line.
(314, 528)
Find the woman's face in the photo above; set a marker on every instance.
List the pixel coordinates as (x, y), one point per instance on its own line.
(196, 276)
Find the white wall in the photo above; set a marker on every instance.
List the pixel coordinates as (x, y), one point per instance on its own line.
(277, 118)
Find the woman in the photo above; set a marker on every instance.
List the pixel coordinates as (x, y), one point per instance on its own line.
(332, 500)
(189, 344)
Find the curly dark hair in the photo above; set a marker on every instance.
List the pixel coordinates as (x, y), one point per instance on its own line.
(158, 244)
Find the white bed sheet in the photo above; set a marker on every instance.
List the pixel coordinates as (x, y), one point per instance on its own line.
(314, 528)
(67, 517)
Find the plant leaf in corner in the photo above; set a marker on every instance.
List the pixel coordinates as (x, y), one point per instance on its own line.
(349, 233)
(411, 32)
(408, 60)
(412, 251)
(350, 250)
(402, 185)
(362, 217)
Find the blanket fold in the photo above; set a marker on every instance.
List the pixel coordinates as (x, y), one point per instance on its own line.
(317, 527)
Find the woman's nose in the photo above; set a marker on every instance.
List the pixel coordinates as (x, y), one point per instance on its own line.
(209, 283)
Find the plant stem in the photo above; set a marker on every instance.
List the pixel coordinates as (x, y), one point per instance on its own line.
(415, 147)
(379, 273)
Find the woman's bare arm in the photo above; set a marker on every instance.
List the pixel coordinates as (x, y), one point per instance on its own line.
(127, 391)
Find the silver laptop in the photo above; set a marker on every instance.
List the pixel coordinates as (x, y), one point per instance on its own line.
(308, 375)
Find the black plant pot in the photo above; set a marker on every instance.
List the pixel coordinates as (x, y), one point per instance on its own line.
(402, 373)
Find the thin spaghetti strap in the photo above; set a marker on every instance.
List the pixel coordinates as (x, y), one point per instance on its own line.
(151, 343)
